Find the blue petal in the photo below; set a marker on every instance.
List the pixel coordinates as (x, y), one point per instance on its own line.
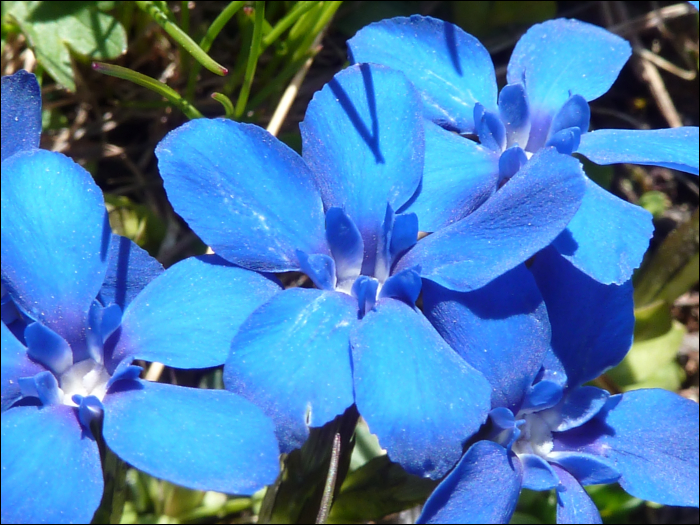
(363, 139)
(346, 245)
(450, 68)
(675, 148)
(51, 471)
(560, 58)
(592, 323)
(130, 270)
(292, 359)
(515, 114)
(565, 141)
(43, 386)
(651, 436)
(483, 488)
(523, 217)
(489, 128)
(21, 113)
(537, 473)
(482, 325)
(48, 348)
(364, 289)
(188, 316)
(579, 406)
(510, 163)
(574, 505)
(201, 439)
(588, 469)
(417, 395)
(320, 269)
(243, 192)
(542, 395)
(459, 176)
(604, 220)
(55, 239)
(15, 364)
(404, 234)
(575, 113)
(404, 286)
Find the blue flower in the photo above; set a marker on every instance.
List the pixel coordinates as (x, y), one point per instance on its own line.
(89, 303)
(546, 431)
(335, 213)
(556, 67)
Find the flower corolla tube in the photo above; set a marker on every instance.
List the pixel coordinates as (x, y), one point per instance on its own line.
(86, 304)
(556, 68)
(336, 214)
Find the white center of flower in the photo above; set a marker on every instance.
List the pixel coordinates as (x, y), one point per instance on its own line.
(86, 378)
(536, 437)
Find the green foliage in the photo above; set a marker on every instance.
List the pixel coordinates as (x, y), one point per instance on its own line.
(482, 18)
(53, 29)
(136, 222)
(655, 202)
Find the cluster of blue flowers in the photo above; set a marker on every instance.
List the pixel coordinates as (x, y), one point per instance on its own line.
(524, 283)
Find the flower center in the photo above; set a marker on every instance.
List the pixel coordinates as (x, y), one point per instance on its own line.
(535, 437)
(86, 378)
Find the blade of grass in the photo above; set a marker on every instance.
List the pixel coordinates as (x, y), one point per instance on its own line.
(150, 83)
(162, 19)
(252, 59)
(214, 29)
(285, 23)
(226, 102)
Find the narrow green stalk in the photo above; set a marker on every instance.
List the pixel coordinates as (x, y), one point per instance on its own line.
(226, 102)
(297, 11)
(219, 23)
(329, 9)
(184, 16)
(206, 42)
(151, 83)
(252, 59)
(161, 17)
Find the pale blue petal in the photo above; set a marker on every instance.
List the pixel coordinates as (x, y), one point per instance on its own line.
(483, 488)
(515, 114)
(675, 148)
(588, 469)
(363, 139)
(15, 364)
(187, 317)
(200, 439)
(51, 470)
(592, 323)
(579, 406)
(243, 192)
(459, 176)
(482, 326)
(560, 58)
(130, 270)
(292, 359)
(537, 473)
(55, 239)
(607, 237)
(450, 68)
(417, 395)
(21, 113)
(524, 216)
(574, 505)
(651, 438)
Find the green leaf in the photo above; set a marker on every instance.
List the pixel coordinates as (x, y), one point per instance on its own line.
(673, 269)
(614, 504)
(483, 18)
(652, 363)
(655, 202)
(52, 28)
(652, 321)
(135, 222)
(377, 489)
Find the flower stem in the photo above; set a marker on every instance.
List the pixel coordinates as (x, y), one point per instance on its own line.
(155, 9)
(252, 59)
(151, 83)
